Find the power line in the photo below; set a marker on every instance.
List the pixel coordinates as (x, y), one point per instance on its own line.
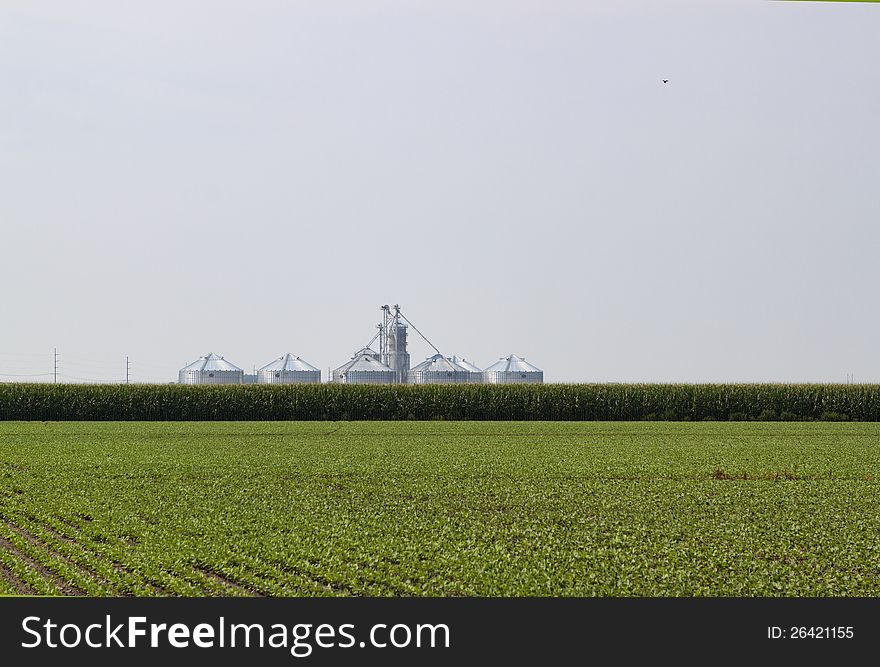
(81, 379)
(83, 368)
(32, 355)
(25, 368)
(90, 364)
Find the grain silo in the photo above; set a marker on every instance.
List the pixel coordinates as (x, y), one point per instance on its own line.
(437, 370)
(288, 369)
(475, 375)
(513, 369)
(210, 369)
(392, 342)
(364, 368)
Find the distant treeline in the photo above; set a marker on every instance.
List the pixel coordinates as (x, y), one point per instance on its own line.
(555, 402)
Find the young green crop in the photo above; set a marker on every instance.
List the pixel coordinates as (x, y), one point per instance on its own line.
(439, 508)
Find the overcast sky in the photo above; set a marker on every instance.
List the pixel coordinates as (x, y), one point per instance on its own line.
(252, 178)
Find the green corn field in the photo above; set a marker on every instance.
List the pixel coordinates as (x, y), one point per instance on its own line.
(550, 402)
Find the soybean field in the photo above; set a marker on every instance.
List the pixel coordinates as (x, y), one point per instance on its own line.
(440, 508)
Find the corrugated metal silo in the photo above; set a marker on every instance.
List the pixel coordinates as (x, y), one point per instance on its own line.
(288, 369)
(513, 369)
(475, 375)
(210, 369)
(437, 370)
(398, 357)
(364, 368)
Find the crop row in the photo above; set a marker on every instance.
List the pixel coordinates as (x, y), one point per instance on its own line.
(559, 402)
(442, 508)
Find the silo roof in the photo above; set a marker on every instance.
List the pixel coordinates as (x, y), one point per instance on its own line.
(465, 364)
(513, 364)
(289, 362)
(211, 362)
(438, 363)
(363, 362)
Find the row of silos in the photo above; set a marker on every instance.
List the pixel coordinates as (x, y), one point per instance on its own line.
(508, 370)
(213, 369)
(365, 367)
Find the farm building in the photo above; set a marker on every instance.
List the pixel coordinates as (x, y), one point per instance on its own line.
(389, 365)
(288, 369)
(210, 369)
(513, 369)
(437, 370)
(364, 368)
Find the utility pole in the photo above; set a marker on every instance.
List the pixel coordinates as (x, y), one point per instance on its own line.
(55, 372)
(127, 369)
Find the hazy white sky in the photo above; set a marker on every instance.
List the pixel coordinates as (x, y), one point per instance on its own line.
(257, 178)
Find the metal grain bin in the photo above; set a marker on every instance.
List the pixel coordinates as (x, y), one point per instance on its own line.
(210, 369)
(364, 368)
(475, 375)
(513, 369)
(288, 369)
(437, 370)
